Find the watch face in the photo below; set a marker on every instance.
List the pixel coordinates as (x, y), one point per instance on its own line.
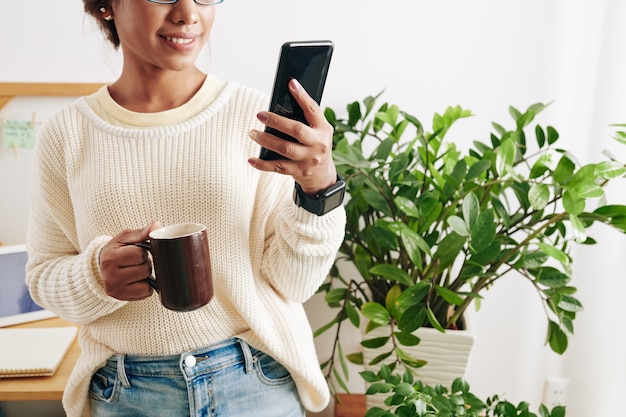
(320, 205)
(334, 200)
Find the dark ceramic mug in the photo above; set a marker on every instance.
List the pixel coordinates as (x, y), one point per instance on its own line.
(182, 265)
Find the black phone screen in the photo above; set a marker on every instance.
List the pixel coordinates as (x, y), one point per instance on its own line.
(308, 63)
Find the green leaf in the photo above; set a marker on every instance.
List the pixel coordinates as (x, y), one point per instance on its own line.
(553, 135)
(384, 149)
(404, 389)
(449, 248)
(555, 253)
(391, 297)
(362, 261)
(572, 203)
(392, 272)
(412, 318)
(407, 206)
(378, 359)
(534, 259)
(432, 319)
(458, 225)
(471, 210)
(580, 233)
(375, 312)
(375, 343)
(450, 296)
(552, 277)
(368, 376)
(407, 339)
(335, 295)
(413, 295)
(340, 380)
(353, 315)
(484, 231)
(355, 358)
(342, 361)
(611, 211)
(569, 303)
(505, 156)
(375, 199)
(477, 169)
(408, 359)
(540, 135)
(558, 411)
(557, 338)
(378, 387)
(354, 113)
(441, 124)
(539, 196)
(589, 190)
(564, 171)
(414, 245)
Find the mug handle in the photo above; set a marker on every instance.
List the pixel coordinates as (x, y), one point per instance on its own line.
(147, 247)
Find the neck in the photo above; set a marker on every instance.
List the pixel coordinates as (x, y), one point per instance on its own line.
(156, 92)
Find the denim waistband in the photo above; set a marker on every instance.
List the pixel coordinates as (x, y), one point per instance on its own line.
(191, 363)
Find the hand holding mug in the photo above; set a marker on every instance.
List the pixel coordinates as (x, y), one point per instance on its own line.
(182, 265)
(124, 266)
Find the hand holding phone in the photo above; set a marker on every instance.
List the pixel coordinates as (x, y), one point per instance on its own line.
(307, 62)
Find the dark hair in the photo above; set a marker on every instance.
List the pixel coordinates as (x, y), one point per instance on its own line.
(93, 7)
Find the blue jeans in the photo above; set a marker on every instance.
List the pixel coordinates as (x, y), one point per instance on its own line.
(225, 380)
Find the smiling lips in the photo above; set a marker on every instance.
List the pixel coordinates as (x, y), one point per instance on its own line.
(180, 41)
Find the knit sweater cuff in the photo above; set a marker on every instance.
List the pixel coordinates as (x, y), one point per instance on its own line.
(93, 278)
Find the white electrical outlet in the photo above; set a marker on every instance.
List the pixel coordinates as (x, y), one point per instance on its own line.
(555, 392)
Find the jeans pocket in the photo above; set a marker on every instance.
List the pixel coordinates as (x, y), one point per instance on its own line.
(103, 385)
(269, 370)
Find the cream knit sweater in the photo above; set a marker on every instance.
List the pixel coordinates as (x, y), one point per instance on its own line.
(92, 180)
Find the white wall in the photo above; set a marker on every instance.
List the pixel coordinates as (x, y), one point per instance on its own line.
(484, 55)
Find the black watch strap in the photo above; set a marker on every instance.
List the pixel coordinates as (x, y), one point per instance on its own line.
(323, 202)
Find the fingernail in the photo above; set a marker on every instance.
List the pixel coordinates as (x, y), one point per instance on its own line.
(252, 162)
(294, 84)
(252, 134)
(262, 116)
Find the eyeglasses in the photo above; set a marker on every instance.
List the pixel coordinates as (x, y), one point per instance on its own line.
(203, 2)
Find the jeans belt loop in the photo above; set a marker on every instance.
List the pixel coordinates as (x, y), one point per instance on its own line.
(121, 371)
(247, 356)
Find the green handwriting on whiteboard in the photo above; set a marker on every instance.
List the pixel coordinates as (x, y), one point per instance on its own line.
(16, 134)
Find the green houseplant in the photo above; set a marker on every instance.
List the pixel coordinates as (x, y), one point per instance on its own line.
(408, 397)
(430, 227)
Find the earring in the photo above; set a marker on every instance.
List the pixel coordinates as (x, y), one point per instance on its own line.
(107, 18)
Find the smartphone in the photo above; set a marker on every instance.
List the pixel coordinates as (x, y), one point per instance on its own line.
(307, 62)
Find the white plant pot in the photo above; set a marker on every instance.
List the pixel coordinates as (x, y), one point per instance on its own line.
(447, 355)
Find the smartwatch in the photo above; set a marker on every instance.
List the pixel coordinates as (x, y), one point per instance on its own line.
(324, 201)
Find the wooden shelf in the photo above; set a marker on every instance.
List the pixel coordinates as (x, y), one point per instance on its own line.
(10, 90)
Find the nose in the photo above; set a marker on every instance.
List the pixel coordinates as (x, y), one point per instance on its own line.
(185, 12)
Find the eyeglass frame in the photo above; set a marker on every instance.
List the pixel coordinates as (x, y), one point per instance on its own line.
(201, 2)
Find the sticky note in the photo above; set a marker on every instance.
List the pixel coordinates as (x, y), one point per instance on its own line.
(18, 134)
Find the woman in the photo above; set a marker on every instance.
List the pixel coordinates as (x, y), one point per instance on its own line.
(166, 141)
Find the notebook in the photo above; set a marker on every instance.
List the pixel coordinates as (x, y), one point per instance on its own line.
(33, 351)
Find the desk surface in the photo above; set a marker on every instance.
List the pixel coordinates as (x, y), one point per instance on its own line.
(41, 387)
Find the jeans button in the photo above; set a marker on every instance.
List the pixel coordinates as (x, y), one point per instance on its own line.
(190, 361)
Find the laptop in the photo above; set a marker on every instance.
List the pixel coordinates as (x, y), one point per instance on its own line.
(16, 305)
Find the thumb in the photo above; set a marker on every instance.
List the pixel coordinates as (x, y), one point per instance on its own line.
(140, 235)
